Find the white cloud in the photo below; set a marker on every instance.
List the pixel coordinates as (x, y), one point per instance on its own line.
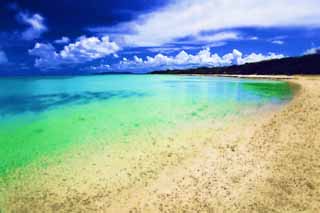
(187, 46)
(183, 18)
(46, 55)
(185, 60)
(315, 50)
(280, 42)
(89, 48)
(214, 39)
(83, 50)
(3, 57)
(221, 36)
(254, 57)
(36, 26)
(63, 40)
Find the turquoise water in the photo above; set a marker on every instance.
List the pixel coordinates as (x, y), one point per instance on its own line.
(49, 115)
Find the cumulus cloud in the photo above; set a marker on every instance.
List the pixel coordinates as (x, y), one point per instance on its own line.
(183, 18)
(315, 50)
(46, 55)
(35, 23)
(83, 50)
(63, 40)
(3, 57)
(185, 60)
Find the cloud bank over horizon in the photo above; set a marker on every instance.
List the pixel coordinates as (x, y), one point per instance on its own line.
(184, 60)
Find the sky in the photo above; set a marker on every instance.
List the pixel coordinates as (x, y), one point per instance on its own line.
(83, 37)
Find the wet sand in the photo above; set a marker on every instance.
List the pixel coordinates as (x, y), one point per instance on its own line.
(263, 163)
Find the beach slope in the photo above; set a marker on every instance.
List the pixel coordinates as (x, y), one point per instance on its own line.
(271, 166)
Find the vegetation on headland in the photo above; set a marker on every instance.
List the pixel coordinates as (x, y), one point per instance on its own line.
(304, 65)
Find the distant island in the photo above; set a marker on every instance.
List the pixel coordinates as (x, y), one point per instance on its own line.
(304, 65)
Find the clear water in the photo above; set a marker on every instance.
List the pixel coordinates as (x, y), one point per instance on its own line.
(45, 116)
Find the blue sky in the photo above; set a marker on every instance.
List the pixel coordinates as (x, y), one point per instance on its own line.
(67, 37)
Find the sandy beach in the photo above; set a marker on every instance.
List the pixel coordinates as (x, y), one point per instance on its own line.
(265, 163)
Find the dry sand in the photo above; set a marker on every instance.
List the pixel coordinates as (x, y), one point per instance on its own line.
(265, 163)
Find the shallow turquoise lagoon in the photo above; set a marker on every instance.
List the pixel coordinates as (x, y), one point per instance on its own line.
(49, 115)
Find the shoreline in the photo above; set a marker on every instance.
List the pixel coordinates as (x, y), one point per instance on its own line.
(266, 163)
(257, 77)
(291, 139)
